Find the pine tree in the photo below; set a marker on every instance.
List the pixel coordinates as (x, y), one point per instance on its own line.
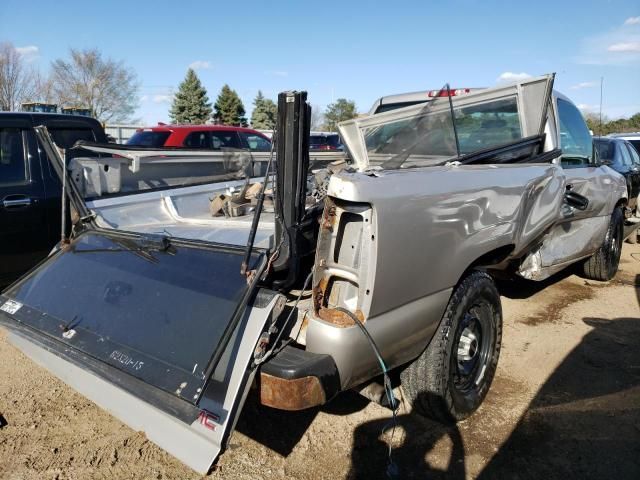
(191, 103)
(229, 109)
(339, 111)
(264, 113)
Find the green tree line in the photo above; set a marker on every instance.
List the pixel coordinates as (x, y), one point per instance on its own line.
(191, 105)
(621, 125)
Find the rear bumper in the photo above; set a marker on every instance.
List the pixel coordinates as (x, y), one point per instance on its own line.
(296, 379)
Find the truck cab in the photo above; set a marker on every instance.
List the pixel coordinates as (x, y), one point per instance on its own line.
(30, 191)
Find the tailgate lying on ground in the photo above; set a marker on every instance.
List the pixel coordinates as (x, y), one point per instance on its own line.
(162, 338)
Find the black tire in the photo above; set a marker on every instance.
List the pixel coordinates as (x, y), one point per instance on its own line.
(449, 381)
(603, 264)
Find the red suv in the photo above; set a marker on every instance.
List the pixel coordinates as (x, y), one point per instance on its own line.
(212, 137)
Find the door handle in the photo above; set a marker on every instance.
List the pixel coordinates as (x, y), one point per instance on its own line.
(575, 200)
(17, 202)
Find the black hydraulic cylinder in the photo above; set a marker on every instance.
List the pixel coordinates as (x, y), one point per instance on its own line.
(292, 164)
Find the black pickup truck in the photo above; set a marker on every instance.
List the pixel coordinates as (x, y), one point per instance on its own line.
(30, 191)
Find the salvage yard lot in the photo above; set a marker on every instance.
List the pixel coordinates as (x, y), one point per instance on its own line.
(565, 404)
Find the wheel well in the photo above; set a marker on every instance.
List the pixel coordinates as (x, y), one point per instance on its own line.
(621, 203)
(488, 260)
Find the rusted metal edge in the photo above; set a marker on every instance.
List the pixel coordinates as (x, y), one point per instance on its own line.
(293, 394)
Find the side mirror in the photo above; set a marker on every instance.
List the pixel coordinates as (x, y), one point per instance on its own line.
(606, 162)
(576, 200)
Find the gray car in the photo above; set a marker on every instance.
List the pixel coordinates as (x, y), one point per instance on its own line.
(176, 293)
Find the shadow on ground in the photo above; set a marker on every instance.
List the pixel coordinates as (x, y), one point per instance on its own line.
(281, 431)
(519, 288)
(585, 421)
(369, 457)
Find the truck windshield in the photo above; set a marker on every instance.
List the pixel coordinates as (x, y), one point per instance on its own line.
(636, 144)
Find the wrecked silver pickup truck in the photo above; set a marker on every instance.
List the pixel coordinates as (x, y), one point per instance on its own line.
(173, 297)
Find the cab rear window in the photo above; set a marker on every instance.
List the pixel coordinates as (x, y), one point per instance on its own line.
(67, 137)
(148, 139)
(387, 107)
(318, 140)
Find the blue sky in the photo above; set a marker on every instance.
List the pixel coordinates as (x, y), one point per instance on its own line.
(357, 50)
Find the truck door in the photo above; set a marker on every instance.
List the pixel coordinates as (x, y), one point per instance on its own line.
(23, 223)
(580, 232)
(634, 174)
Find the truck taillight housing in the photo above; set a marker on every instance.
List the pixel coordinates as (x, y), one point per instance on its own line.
(344, 261)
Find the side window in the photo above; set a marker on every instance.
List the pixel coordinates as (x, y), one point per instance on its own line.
(13, 167)
(625, 156)
(197, 140)
(257, 143)
(575, 140)
(225, 140)
(635, 158)
(605, 150)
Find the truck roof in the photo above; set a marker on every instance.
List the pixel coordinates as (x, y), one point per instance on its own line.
(57, 120)
(201, 127)
(407, 99)
(36, 117)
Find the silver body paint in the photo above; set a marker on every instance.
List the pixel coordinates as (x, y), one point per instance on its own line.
(423, 228)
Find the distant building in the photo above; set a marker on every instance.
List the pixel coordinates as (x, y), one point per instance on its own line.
(76, 110)
(39, 107)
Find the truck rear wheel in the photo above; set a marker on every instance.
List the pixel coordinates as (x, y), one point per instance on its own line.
(449, 381)
(603, 264)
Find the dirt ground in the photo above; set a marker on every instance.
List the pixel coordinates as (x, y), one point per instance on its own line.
(565, 404)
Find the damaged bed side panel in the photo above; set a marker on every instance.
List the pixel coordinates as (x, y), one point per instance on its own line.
(427, 225)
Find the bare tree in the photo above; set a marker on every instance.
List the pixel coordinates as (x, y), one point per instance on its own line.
(17, 78)
(44, 91)
(317, 118)
(88, 80)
